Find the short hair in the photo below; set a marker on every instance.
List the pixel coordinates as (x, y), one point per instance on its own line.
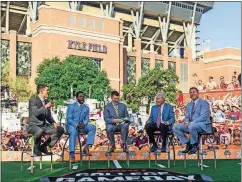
(210, 77)
(195, 88)
(163, 95)
(40, 87)
(200, 80)
(221, 77)
(114, 93)
(233, 76)
(79, 92)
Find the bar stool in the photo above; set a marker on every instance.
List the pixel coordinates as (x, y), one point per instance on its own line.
(79, 135)
(109, 154)
(200, 149)
(169, 140)
(30, 140)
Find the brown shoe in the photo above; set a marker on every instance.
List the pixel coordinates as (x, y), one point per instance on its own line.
(86, 151)
(125, 148)
(112, 148)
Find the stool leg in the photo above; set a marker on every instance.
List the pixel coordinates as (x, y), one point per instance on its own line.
(149, 159)
(214, 153)
(80, 146)
(127, 159)
(185, 160)
(32, 154)
(155, 158)
(51, 161)
(168, 152)
(63, 150)
(201, 145)
(22, 156)
(40, 162)
(89, 163)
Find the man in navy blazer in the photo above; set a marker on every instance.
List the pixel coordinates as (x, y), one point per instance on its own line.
(113, 113)
(161, 116)
(197, 119)
(78, 121)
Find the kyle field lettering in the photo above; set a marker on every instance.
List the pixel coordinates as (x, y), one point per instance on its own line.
(83, 46)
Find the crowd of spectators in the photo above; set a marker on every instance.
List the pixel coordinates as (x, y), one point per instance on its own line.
(234, 83)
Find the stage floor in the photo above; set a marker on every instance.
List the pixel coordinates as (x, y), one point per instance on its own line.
(227, 170)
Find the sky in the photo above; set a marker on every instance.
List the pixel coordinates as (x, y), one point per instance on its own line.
(222, 25)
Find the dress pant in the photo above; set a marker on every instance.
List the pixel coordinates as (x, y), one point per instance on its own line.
(152, 127)
(111, 129)
(39, 131)
(89, 129)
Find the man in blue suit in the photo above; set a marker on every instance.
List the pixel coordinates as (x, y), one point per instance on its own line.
(197, 119)
(161, 116)
(78, 121)
(113, 113)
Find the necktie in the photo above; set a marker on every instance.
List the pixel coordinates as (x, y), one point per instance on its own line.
(116, 109)
(193, 110)
(159, 117)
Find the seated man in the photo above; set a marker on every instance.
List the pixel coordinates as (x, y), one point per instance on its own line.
(114, 112)
(161, 116)
(41, 121)
(78, 121)
(197, 119)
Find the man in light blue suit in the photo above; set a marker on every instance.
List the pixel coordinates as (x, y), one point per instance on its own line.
(197, 119)
(161, 116)
(78, 121)
(114, 112)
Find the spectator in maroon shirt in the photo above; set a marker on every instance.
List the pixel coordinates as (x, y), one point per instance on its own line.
(141, 140)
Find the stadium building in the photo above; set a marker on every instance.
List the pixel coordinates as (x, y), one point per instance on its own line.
(123, 38)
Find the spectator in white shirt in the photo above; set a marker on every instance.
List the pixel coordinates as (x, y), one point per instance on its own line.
(211, 84)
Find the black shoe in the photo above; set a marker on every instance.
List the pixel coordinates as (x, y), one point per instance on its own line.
(187, 149)
(37, 152)
(44, 150)
(193, 150)
(154, 147)
(163, 148)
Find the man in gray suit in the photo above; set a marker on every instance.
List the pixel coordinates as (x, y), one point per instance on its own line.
(41, 121)
(114, 113)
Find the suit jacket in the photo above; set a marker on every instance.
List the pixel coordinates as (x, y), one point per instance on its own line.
(76, 114)
(167, 114)
(110, 114)
(38, 113)
(201, 114)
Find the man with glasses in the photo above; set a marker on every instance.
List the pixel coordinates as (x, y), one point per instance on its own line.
(197, 119)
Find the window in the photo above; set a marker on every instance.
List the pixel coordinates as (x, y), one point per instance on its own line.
(72, 20)
(145, 65)
(184, 77)
(82, 22)
(159, 64)
(172, 66)
(24, 58)
(131, 70)
(91, 24)
(98, 63)
(100, 25)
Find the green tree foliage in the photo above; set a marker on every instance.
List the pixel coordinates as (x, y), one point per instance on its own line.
(20, 87)
(79, 72)
(5, 72)
(149, 85)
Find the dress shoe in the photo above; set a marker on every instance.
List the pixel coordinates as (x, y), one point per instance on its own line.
(86, 151)
(163, 148)
(44, 150)
(153, 148)
(125, 148)
(37, 152)
(187, 149)
(193, 150)
(112, 148)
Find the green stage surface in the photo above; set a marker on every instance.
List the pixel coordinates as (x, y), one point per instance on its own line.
(227, 170)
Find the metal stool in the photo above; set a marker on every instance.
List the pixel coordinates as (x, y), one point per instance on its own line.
(80, 134)
(31, 153)
(109, 154)
(169, 139)
(200, 149)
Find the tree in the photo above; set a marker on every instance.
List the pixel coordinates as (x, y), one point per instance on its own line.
(149, 85)
(20, 86)
(78, 72)
(5, 72)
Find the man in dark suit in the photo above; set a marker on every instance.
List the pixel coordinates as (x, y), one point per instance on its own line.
(161, 116)
(41, 121)
(114, 112)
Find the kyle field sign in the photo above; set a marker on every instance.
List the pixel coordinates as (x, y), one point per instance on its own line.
(128, 175)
